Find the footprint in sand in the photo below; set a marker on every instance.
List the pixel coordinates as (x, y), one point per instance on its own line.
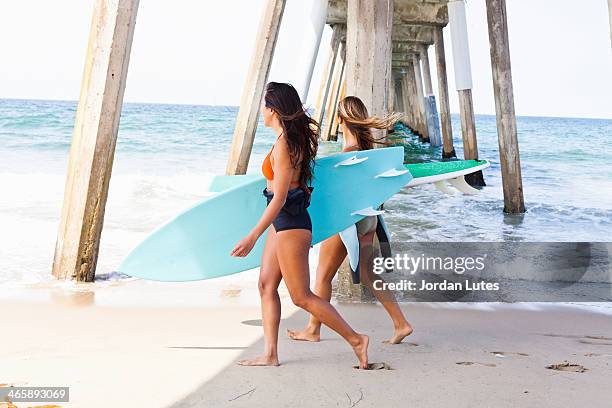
(503, 354)
(469, 363)
(567, 367)
(376, 366)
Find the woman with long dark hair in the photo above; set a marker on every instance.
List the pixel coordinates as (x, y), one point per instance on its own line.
(288, 170)
(356, 124)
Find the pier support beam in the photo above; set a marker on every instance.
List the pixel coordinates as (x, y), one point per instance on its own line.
(252, 94)
(368, 54)
(315, 13)
(334, 93)
(94, 139)
(463, 81)
(433, 128)
(504, 107)
(410, 97)
(448, 150)
(420, 98)
(327, 76)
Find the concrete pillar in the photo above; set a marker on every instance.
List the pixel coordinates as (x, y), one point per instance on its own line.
(504, 107)
(334, 93)
(463, 82)
(254, 88)
(431, 109)
(420, 98)
(315, 15)
(448, 150)
(94, 139)
(368, 54)
(327, 75)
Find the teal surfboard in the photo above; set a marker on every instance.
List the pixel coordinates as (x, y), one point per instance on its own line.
(422, 173)
(196, 244)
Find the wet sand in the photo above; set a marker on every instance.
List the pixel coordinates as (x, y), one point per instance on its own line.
(185, 356)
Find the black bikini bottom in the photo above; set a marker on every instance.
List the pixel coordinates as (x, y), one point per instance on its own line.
(294, 214)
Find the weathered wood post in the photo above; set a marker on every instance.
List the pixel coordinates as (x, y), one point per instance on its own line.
(448, 150)
(368, 54)
(398, 104)
(463, 82)
(334, 93)
(335, 123)
(433, 128)
(94, 138)
(504, 107)
(410, 94)
(420, 98)
(327, 76)
(252, 94)
(315, 14)
(368, 73)
(610, 18)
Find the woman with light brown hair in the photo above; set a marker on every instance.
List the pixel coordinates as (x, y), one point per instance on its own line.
(356, 127)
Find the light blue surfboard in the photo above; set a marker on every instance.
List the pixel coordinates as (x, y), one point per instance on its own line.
(196, 244)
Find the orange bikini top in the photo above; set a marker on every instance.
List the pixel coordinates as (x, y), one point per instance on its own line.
(266, 166)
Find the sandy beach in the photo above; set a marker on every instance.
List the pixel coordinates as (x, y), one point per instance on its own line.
(175, 355)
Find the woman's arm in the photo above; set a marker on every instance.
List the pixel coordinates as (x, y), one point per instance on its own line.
(283, 174)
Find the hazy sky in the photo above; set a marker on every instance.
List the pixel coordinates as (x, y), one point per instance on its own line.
(189, 51)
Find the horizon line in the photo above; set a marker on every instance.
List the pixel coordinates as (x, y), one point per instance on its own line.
(237, 107)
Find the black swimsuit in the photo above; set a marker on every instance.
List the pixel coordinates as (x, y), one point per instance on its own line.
(294, 214)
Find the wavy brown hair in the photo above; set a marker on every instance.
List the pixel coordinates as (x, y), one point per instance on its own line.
(300, 130)
(355, 116)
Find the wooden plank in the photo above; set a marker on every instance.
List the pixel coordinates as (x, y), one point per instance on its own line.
(504, 107)
(254, 88)
(94, 139)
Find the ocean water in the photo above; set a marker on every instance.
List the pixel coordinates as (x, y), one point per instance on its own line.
(166, 156)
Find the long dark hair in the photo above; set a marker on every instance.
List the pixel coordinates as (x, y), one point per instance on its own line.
(355, 116)
(300, 130)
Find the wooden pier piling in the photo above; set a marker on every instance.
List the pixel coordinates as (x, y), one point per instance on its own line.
(463, 82)
(327, 75)
(254, 88)
(368, 53)
(94, 139)
(420, 97)
(431, 111)
(334, 93)
(448, 150)
(504, 107)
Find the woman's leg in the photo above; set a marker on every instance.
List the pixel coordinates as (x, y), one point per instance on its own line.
(269, 279)
(386, 297)
(292, 248)
(331, 256)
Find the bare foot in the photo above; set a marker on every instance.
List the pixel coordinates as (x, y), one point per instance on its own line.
(361, 350)
(400, 334)
(304, 335)
(260, 361)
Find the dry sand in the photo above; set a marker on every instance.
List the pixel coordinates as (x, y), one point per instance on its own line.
(127, 356)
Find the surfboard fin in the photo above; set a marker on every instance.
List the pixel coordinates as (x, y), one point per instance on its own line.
(351, 242)
(367, 212)
(351, 161)
(440, 185)
(460, 184)
(392, 173)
